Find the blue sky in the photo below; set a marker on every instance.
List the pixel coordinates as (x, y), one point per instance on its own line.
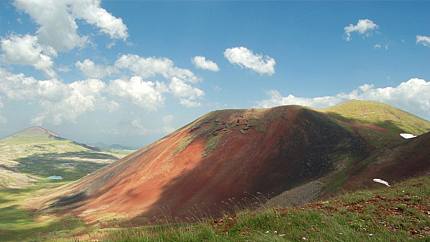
(281, 52)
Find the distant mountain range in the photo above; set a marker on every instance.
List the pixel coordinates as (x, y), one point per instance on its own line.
(104, 146)
(286, 154)
(34, 154)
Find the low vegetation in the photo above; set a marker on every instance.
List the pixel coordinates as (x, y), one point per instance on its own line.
(211, 143)
(397, 213)
(383, 115)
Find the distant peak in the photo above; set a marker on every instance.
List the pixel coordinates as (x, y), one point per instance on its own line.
(35, 131)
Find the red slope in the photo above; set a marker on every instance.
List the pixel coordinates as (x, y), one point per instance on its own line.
(234, 155)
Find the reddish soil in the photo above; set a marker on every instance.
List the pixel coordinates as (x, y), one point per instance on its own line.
(222, 161)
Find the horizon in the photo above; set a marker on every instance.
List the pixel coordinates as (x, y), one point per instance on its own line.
(147, 68)
(101, 144)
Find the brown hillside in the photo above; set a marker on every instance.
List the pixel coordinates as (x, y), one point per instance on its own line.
(222, 159)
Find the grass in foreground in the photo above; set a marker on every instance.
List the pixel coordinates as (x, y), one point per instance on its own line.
(399, 213)
(20, 224)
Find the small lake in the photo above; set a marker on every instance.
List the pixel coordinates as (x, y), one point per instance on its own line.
(55, 178)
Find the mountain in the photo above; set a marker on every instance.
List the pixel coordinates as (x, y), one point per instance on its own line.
(117, 147)
(237, 158)
(33, 134)
(379, 123)
(35, 153)
(382, 115)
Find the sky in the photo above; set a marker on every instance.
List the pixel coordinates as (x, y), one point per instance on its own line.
(130, 72)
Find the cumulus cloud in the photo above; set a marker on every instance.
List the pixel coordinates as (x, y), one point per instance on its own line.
(57, 21)
(92, 70)
(21, 87)
(141, 91)
(188, 95)
(152, 66)
(25, 50)
(245, 58)
(424, 40)
(363, 27)
(92, 13)
(202, 63)
(146, 94)
(179, 81)
(59, 101)
(412, 95)
(81, 97)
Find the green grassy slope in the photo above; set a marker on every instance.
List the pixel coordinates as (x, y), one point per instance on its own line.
(378, 123)
(37, 153)
(20, 224)
(397, 213)
(382, 115)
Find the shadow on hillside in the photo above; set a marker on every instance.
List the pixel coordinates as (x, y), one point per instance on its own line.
(70, 165)
(303, 151)
(388, 125)
(6, 168)
(17, 224)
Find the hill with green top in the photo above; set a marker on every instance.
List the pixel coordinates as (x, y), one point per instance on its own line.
(380, 124)
(34, 154)
(382, 115)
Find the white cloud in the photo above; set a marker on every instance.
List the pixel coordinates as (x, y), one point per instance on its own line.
(59, 101)
(152, 66)
(247, 59)
(21, 87)
(25, 50)
(92, 70)
(188, 95)
(92, 13)
(364, 27)
(205, 64)
(277, 99)
(424, 40)
(179, 86)
(381, 46)
(81, 97)
(57, 21)
(146, 94)
(412, 95)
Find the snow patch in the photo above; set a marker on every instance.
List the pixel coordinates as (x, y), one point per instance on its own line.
(407, 136)
(377, 180)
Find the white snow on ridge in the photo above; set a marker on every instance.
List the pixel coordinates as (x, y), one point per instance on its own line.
(407, 136)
